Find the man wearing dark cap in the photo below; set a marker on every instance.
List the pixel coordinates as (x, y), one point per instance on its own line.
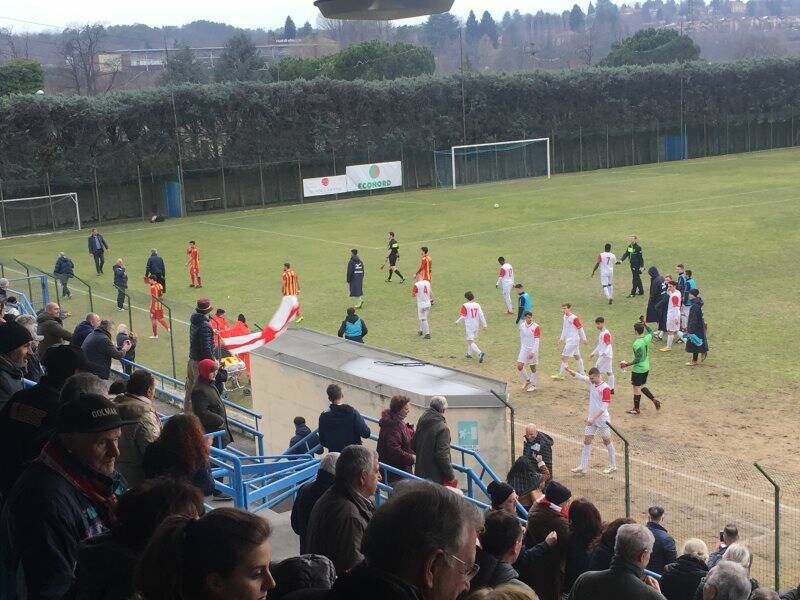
(502, 496)
(28, 418)
(64, 497)
(201, 345)
(16, 345)
(547, 515)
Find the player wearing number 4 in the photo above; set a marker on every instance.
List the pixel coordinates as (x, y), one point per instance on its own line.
(471, 314)
(606, 261)
(597, 420)
(529, 334)
(604, 352)
(421, 290)
(572, 334)
(505, 281)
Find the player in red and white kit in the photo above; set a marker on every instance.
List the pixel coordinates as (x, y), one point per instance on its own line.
(505, 281)
(422, 291)
(471, 314)
(572, 334)
(606, 261)
(597, 420)
(674, 298)
(604, 352)
(529, 334)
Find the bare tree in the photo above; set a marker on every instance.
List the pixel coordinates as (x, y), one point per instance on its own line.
(80, 48)
(586, 46)
(15, 46)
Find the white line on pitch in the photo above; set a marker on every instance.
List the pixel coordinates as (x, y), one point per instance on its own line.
(291, 235)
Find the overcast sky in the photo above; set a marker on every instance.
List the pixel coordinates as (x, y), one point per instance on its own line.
(267, 14)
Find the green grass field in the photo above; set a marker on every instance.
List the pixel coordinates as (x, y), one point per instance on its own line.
(733, 220)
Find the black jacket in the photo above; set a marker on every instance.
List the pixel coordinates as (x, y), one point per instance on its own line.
(304, 503)
(696, 324)
(201, 337)
(10, 381)
(681, 578)
(622, 580)
(542, 445)
(577, 559)
(664, 551)
(208, 406)
(341, 425)
(120, 277)
(105, 570)
(368, 583)
(654, 312)
(301, 573)
(355, 276)
(634, 252)
(431, 444)
(64, 266)
(600, 557)
(103, 245)
(493, 572)
(80, 333)
(26, 422)
(155, 266)
(100, 350)
(300, 432)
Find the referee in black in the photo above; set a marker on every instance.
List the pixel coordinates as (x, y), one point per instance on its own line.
(393, 257)
(634, 252)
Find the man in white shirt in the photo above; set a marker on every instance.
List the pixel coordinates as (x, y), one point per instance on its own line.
(572, 334)
(606, 261)
(505, 281)
(604, 352)
(529, 334)
(597, 420)
(422, 291)
(471, 314)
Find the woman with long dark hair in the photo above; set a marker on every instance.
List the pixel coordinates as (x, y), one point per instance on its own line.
(585, 526)
(181, 451)
(224, 555)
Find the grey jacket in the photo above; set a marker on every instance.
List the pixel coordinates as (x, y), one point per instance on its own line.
(431, 444)
(135, 437)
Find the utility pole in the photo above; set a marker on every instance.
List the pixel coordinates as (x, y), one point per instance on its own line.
(184, 211)
(463, 100)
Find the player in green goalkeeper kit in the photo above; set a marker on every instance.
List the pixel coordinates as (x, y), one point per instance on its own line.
(640, 366)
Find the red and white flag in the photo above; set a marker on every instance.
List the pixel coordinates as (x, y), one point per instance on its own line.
(287, 311)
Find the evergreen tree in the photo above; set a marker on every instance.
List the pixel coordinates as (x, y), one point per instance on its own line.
(590, 12)
(306, 30)
(183, 67)
(472, 30)
(488, 28)
(439, 30)
(289, 29)
(577, 20)
(652, 46)
(240, 60)
(506, 22)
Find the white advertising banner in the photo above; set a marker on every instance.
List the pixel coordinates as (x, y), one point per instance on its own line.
(323, 186)
(374, 176)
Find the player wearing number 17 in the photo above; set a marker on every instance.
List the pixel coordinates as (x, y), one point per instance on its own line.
(291, 286)
(471, 314)
(505, 281)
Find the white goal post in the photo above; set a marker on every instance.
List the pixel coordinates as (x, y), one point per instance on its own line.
(33, 203)
(477, 147)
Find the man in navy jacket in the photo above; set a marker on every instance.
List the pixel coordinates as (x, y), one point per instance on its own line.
(156, 269)
(664, 551)
(341, 425)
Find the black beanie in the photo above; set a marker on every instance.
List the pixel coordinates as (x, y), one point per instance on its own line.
(499, 492)
(12, 336)
(557, 493)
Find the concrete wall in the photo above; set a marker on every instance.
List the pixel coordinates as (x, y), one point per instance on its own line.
(282, 392)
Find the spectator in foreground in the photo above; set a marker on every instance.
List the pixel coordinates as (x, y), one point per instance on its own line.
(29, 417)
(508, 591)
(729, 535)
(181, 452)
(353, 327)
(51, 328)
(311, 576)
(33, 370)
(739, 553)
(664, 551)
(340, 517)
(585, 527)
(431, 445)
(201, 346)
(681, 578)
(16, 345)
(301, 431)
(625, 578)
(527, 477)
(123, 335)
(223, 554)
(394, 437)
(765, 594)
(603, 551)
(63, 498)
(63, 270)
(341, 425)
(310, 493)
(538, 443)
(419, 544)
(83, 329)
(100, 350)
(502, 497)
(136, 406)
(793, 594)
(727, 581)
(107, 563)
(207, 403)
(548, 514)
(500, 547)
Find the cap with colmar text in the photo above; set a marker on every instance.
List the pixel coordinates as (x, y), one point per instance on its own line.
(89, 413)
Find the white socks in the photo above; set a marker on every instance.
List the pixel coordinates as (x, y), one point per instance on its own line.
(579, 364)
(424, 327)
(670, 339)
(612, 455)
(562, 369)
(472, 347)
(523, 376)
(608, 290)
(586, 451)
(532, 378)
(611, 380)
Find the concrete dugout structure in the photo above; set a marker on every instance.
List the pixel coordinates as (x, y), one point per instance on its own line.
(289, 377)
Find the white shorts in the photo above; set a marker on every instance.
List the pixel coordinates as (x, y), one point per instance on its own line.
(604, 431)
(422, 313)
(571, 349)
(604, 364)
(606, 280)
(471, 333)
(673, 321)
(523, 356)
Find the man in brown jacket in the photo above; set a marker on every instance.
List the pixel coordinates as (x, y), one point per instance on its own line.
(341, 515)
(51, 328)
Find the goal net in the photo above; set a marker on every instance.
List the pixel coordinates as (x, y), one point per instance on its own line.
(39, 213)
(496, 161)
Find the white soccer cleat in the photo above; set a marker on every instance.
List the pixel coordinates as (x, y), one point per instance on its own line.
(579, 471)
(530, 388)
(609, 469)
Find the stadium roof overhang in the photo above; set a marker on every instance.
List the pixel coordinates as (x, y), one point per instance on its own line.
(381, 9)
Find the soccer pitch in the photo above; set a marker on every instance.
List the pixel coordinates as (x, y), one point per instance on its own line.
(733, 220)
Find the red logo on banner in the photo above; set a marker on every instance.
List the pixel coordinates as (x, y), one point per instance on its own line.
(325, 181)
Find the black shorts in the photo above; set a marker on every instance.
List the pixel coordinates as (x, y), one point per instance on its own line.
(638, 379)
(393, 259)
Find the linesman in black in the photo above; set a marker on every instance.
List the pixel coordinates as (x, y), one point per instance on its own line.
(634, 251)
(393, 257)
